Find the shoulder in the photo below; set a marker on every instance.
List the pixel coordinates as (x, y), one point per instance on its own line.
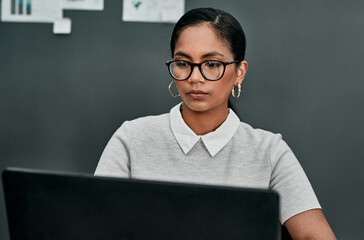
(255, 135)
(151, 121)
(146, 124)
(260, 142)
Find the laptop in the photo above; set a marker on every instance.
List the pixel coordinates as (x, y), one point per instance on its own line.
(54, 205)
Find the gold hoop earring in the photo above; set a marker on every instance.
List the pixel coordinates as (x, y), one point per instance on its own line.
(169, 89)
(233, 91)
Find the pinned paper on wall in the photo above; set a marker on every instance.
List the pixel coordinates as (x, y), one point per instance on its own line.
(31, 10)
(43, 10)
(62, 26)
(153, 10)
(83, 4)
(46, 11)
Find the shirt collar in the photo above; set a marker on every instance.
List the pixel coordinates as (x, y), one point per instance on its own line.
(213, 141)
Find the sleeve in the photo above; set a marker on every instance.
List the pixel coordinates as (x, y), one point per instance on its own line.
(290, 181)
(115, 159)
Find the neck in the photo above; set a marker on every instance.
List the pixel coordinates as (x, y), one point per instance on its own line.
(205, 122)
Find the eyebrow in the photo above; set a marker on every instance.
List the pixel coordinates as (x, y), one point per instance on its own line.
(210, 54)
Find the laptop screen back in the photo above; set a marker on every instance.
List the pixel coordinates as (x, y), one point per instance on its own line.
(45, 205)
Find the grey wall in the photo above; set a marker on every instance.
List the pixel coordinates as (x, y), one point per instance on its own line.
(62, 97)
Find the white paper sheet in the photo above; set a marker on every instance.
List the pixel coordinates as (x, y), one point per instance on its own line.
(153, 10)
(31, 10)
(83, 4)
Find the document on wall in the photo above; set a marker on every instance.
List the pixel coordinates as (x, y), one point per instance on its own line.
(83, 4)
(153, 10)
(31, 10)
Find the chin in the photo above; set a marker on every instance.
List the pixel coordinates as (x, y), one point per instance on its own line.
(196, 106)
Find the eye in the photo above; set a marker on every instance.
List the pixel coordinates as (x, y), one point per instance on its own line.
(181, 64)
(213, 64)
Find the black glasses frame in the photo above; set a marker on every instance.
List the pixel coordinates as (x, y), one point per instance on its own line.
(192, 65)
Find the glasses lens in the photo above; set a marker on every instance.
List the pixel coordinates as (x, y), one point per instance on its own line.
(212, 70)
(180, 69)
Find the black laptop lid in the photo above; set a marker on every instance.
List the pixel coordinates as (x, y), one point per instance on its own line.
(43, 205)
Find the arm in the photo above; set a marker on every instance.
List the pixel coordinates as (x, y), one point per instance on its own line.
(310, 225)
(300, 211)
(115, 160)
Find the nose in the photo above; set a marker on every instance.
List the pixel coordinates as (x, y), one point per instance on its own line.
(196, 76)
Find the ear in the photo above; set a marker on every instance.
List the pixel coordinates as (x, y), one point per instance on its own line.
(240, 73)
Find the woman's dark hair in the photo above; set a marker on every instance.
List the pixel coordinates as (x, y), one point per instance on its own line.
(227, 28)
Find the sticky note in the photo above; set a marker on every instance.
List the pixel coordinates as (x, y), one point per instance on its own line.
(62, 26)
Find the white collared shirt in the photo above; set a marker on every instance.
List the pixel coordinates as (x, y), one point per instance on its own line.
(214, 141)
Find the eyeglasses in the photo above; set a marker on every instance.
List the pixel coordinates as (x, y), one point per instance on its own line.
(211, 70)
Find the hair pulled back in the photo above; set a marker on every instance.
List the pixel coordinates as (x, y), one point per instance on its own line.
(227, 28)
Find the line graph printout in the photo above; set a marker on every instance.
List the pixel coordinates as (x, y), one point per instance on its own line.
(31, 10)
(152, 10)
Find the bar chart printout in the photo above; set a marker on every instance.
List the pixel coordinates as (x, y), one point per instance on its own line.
(31, 10)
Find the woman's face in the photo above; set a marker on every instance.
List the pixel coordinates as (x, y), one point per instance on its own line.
(197, 44)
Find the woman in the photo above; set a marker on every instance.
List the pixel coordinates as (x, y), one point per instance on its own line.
(201, 140)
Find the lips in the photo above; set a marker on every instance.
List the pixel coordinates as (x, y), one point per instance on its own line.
(197, 94)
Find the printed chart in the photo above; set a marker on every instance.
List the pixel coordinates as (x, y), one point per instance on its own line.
(43, 10)
(31, 10)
